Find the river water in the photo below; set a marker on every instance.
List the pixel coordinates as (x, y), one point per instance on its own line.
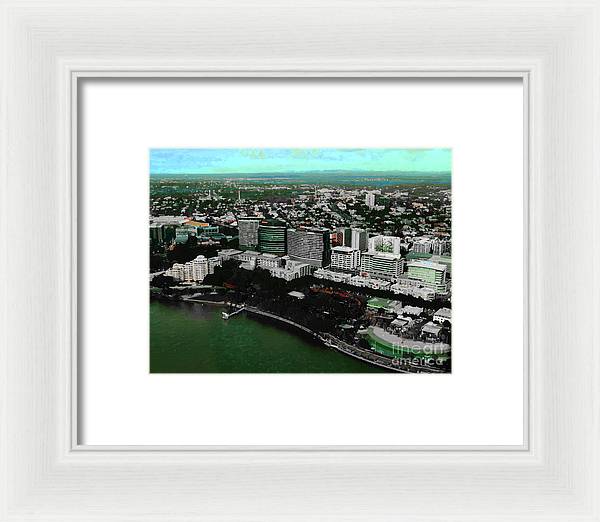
(193, 338)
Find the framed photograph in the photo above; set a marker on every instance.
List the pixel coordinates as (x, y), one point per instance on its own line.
(273, 261)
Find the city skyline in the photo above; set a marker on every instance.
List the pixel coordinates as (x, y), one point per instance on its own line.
(357, 265)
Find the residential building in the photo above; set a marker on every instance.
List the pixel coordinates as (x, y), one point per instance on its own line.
(195, 270)
(440, 246)
(370, 199)
(345, 258)
(422, 245)
(381, 265)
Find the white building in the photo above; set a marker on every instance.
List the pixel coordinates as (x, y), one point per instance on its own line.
(359, 239)
(381, 265)
(388, 244)
(195, 270)
(409, 287)
(176, 272)
(440, 246)
(422, 245)
(292, 270)
(228, 253)
(412, 310)
(370, 282)
(253, 259)
(345, 258)
(370, 199)
(338, 277)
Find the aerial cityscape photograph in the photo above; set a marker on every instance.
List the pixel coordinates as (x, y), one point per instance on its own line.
(297, 260)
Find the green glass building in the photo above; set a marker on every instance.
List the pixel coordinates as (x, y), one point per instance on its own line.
(431, 275)
(272, 237)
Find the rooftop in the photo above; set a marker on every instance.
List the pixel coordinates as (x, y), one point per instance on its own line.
(427, 264)
(344, 249)
(444, 312)
(387, 255)
(432, 328)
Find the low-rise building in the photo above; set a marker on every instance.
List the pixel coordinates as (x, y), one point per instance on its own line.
(431, 331)
(370, 282)
(292, 270)
(406, 286)
(228, 253)
(415, 311)
(443, 314)
(338, 277)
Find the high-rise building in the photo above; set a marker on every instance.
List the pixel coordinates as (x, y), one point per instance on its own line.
(345, 258)
(359, 239)
(272, 237)
(309, 245)
(389, 244)
(429, 274)
(343, 236)
(248, 232)
(422, 245)
(381, 265)
(370, 200)
(440, 246)
(156, 234)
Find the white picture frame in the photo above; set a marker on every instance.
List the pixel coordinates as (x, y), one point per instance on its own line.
(551, 45)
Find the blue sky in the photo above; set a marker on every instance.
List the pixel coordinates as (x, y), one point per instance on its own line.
(255, 161)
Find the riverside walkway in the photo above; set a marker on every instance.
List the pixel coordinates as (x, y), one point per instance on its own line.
(347, 349)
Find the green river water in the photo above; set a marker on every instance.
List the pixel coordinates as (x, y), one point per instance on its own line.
(193, 338)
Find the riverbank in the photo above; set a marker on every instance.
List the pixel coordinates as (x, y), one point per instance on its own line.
(333, 342)
(187, 337)
(327, 340)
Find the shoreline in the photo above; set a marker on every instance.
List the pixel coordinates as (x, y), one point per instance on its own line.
(330, 341)
(322, 340)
